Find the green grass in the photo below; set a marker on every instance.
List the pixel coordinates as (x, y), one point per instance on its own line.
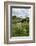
(20, 29)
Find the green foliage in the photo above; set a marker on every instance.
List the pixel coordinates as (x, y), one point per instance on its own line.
(20, 29)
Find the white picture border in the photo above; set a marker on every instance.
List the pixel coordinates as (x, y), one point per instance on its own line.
(30, 24)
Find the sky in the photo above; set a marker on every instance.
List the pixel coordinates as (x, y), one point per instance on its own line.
(20, 12)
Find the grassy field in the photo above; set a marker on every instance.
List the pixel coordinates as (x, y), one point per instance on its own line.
(20, 28)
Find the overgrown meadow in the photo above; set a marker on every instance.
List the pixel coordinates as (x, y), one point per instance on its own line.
(20, 26)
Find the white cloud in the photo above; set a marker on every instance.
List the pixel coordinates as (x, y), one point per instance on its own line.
(20, 12)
